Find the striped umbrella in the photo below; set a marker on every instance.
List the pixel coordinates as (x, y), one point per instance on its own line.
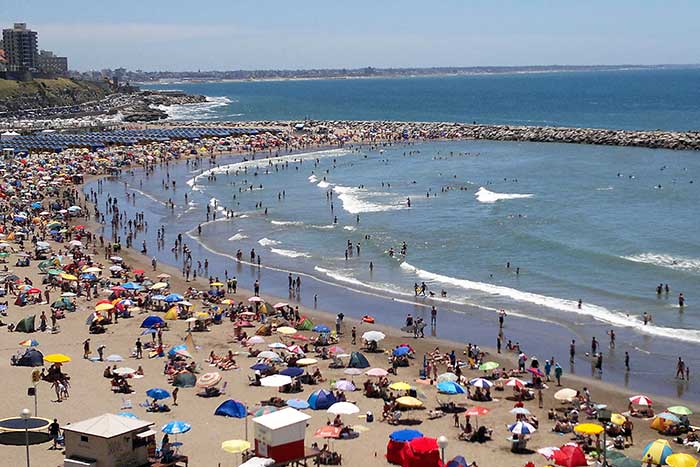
(480, 383)
(176, 427)
(264, 410)
(641, 400)
(521, 428)
(29, 343)
(208, 380)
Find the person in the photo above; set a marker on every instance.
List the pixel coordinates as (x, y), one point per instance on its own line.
(139, 348)
(547, 369)
(100, 352)
(175, 391)
(433, 316)
(627, 361)
(572, 350)
(681, 300)
(557, 373)
(599, 363)
(354, 335)
(501, 318)
(627, 428)
(594, 346)
(612, 338)
(86, 348)
(55, 432)
(680, 369)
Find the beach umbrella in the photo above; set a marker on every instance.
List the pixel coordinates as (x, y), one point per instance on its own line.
(404, 436)
(292, 372)
(536, 372)
(299, 404)
(295, 349)
(306, 361)
(516, 383)
(275, 381)
(680, 410)
(521, 428)
(123, 371)
(450, 387)
(29, 343)
(476, 411)
(401, 351)
(617, 419)
(641, 400)
(105, 307)
(255, 340)
(173, 297)
(152, 321)
(264, 410)
(321, 328)
(657, 452)
(176, 427)
(520, 411)
(488, 366)
(447, 377)
(269, 355)
(262, 367)
(328, 431)
(235, 446)
(548, 452)
(409, 402)
(157, 394)
(57, 358)
(570, 455)
(131, 286)
(480, 383)
(565, 394)
(277, 345)
(400, 386)
(286, 330)
(280, 305)
(114, 358)
(352, 371)
(209, 380)
(232, 408)
(255, 299)
(336, 349)
(158, 286)
(589, 429)
(377, 372)
(345, 385)
(681, 460)
(343, 408)
(669, 416)
(373, 336)
(128, 415)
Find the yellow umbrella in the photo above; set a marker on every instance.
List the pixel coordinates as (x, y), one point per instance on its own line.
(68, 277)
(618, 419)
(171, 314)
(104, 307)
(227, 301)
(400, 386)
(235, 446)
(589, 429)
(286, 330)
(306, 361)
(57, 358)
(217, 284)
(410, 402)
(158, 286)
(681, 460)
(93, 270)
(203, 315)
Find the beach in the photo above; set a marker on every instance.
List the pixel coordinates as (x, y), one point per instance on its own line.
(90, 393)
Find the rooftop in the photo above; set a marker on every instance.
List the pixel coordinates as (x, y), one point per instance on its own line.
(281, 418)
(107, 426)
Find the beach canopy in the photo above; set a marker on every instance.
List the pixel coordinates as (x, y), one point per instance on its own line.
(26, 324)
(681, 460)
(450, 387)
(232, 408)
(184, 380)
(358, 360)
(31, 357)
(321, 399)
(421, 452)
(152, 321)
(657, 451)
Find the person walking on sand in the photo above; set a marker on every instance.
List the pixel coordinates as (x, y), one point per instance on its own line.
(139, 348)
(354, 335)
(100, 352)
(86, 348)
(433, 316)
(175, 391)
(627, 361)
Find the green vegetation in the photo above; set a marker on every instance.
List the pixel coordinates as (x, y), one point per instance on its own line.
(16, 95)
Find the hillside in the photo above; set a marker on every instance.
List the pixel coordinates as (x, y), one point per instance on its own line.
(42, 93)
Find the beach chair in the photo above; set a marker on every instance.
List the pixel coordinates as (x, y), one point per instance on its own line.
(126, 404)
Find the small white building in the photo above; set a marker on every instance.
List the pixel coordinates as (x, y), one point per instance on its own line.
(280, 435)
(108, 441)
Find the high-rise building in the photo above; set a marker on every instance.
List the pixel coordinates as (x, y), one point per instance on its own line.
(21, 51)
(50, 64)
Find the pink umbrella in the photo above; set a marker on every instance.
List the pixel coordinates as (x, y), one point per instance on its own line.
(377, 372)
(255, 340)
(280, 305)
(255, 299)
(295, 349)
(335, 349)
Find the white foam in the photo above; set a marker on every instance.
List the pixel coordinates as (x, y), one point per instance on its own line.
(287, 222)
(290, 253)
(485, 196)
(267, 242)
(323, 184)
(324, 227)
(197, 111)
(359, 200)
(313, 178)
(666, 261)
(350, 228)
(596, 312)
(238, 236)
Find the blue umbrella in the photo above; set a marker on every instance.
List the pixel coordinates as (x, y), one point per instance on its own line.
(174, 297)
(458, 461)
(321, 328)
(176, 427)
(232, 408)
(401, 351)
(152, 321)
(88, 277)
(405, 435)
(157, 394)
(260, 367)
(299, 404)
(292, 372)
(176, 349)
(158, 297)
(131, 286)
(450, 387)
(127, 415)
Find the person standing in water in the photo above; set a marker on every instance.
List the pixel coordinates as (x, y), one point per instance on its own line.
(681, 300)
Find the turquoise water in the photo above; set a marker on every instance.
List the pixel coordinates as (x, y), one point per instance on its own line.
(639, 99)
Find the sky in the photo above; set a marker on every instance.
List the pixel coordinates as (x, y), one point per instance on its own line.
(274, 34)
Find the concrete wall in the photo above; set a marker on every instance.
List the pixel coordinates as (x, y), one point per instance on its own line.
(113, 452)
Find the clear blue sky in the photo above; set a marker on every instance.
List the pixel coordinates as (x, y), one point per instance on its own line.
(244, 34)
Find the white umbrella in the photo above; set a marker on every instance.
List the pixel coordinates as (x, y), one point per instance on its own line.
(565, 394)
(445, 377)
(123, 371)
(480, 383)
(373, 336)
(343, 408)
(275, 381)
(269, 354)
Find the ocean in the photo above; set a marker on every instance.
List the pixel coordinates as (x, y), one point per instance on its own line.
(666, 99)
(531, 228)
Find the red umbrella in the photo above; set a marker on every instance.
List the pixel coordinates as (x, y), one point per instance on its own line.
(535, 371)
(33, 290)
(139, 271)
(570, 455)
(476, 411)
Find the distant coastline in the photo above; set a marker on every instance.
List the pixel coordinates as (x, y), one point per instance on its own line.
(168, 77)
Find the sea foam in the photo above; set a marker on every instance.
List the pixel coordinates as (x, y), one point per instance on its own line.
(485, 196)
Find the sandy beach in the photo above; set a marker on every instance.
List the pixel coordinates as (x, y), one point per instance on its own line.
(90, 393)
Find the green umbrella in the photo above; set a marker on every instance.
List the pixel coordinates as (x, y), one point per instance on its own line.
(680, 410)
(488, 366)
(4, 254)
(54, 272)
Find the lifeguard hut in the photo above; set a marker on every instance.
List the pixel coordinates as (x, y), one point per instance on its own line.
(280, 436)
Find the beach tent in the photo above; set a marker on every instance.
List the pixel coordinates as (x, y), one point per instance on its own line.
(657, 451)
(184, 380)
(171, 314)
(305, 324)
(264, 330)
(421, 452)
(152, 321)
(458, 461)
(397, 440)
(357, 360)
(231, 408)
(31, 357)
(570, 455)
(321, 399)
(660, 423)
(26, 324)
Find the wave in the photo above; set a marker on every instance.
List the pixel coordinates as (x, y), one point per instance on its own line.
(350, 228)
(324, 227)
(197, 111)
(313, 178)
(290, 253)
(596, 312)
(287, 222)
(358, 200)
(485, 196)
(323, 184)
(238, 236)
(666, 261)
(267, 242)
